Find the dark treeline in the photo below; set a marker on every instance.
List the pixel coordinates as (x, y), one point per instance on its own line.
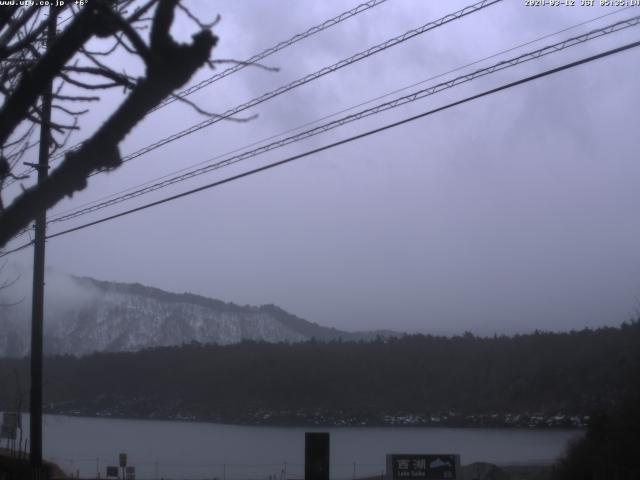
(354, 382)
(611, 447)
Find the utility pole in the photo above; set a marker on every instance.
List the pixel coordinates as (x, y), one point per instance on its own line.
(37, 306)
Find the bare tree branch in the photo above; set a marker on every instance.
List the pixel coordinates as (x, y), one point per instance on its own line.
(169, 65)
(33, 35)
(201, 111)
(118, 79)
(137, 15)
(76, 98)
(14, 26)
(33, 81)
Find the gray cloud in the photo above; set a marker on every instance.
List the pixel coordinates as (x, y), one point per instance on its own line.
(511, 213)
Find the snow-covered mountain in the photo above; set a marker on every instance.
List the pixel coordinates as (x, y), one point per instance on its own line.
(83, 315)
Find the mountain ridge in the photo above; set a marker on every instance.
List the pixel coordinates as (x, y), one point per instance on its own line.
(85, 315)
(294, 322)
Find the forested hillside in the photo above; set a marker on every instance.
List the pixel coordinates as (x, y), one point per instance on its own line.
(541, 379)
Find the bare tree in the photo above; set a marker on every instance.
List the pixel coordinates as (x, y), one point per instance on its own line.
(78, 72)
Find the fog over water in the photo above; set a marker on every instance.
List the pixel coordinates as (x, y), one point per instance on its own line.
(512, 213)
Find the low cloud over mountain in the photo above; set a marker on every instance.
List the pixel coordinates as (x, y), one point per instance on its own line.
(83, 315)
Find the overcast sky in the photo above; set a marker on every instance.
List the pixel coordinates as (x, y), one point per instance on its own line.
(515, 212)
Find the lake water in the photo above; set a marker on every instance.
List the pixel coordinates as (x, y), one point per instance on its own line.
(172, 449)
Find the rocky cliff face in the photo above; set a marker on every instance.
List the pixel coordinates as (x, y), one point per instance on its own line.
(84, 315)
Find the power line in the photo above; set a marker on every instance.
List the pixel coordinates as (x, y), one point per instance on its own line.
(314, 76)
(357, 116)
(4, 253)
(252, 60)
(310, 77)
(271, 50)
(355, 137)
(420, 94)
(301, 81)
(592, 34)
(325, 117)
(28, 146)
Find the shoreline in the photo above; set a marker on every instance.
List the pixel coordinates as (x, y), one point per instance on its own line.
(314, 425)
